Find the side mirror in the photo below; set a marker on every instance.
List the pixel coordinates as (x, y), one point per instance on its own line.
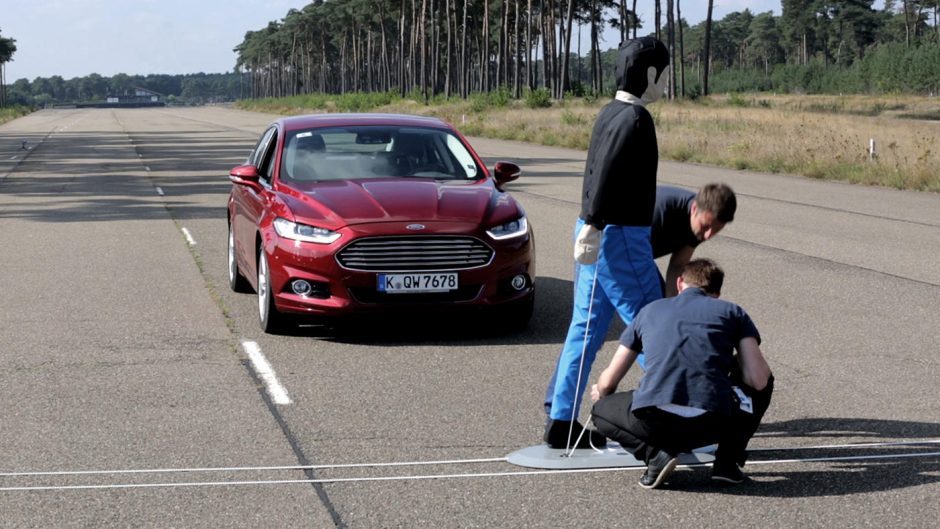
(505, 172)
(245, 175)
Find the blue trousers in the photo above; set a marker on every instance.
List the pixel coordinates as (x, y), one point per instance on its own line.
(626, 280)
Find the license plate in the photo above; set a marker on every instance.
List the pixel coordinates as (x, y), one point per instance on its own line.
(417, 282)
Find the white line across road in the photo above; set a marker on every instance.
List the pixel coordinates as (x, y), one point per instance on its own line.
(265, 372)
(438, 462)
(873, 457)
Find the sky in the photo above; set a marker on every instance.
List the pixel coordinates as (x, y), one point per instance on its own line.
(75, 38)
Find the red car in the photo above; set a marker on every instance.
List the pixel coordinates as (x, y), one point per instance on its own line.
(340, 214)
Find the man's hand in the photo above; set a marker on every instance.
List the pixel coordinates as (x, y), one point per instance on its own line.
(595, 393)
(587, 244)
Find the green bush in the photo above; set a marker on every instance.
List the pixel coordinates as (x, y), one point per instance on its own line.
(737, 100)
(500, 97)
(11, 113)
(538, 98)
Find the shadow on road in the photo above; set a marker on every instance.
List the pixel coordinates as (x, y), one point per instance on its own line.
(851, 470)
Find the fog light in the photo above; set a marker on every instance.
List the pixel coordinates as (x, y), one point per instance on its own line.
(301, 287)
(518, 282)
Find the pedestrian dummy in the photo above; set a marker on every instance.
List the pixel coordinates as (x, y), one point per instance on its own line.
(615, 270)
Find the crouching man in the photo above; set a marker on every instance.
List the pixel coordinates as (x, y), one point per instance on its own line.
(695, 390)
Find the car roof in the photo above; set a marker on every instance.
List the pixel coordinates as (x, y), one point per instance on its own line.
(333, 120)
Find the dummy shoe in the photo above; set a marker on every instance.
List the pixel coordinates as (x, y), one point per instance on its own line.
(556, 435)
(587, 244)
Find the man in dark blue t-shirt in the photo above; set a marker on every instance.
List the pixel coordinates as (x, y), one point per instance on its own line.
(695, 391)
(682, 220)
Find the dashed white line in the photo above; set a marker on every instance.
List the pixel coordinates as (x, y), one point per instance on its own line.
(263, 368)
(147, 168)
(189, 237)
(159, 191)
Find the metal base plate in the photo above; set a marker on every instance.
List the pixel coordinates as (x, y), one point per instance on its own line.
(613, 455)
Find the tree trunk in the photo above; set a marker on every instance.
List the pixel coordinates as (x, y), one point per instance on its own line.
(681, 51)
(448, 51)
(671, 38)
(636, 19)
(708, 43)
(485, 50)
(623, 20)
(401, 50)
(528, 46)
(659, 16)
(386, 67)
(464, 67)
(543, 25)
(907, 23)
(565, 78)
(422, 42)
(517, 54)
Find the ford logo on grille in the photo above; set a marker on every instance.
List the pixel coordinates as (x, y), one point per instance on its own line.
(415, 227)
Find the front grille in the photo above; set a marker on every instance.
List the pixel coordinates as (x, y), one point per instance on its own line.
(415, 254)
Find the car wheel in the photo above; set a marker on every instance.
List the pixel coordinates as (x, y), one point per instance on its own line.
(271, 320)
(236, 281)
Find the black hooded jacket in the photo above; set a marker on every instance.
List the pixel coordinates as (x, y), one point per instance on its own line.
(620, 173)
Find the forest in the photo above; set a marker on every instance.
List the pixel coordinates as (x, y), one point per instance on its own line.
(430, 49)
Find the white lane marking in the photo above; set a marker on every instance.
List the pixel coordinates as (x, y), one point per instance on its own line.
(189, 237)
(13, 157)
(442, 476)
(147, 168)
(159, 191)
(263, 368)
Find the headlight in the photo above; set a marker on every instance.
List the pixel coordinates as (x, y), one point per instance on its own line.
(302, 232)
(509, 230)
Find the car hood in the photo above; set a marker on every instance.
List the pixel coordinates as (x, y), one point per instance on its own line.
(346, 202)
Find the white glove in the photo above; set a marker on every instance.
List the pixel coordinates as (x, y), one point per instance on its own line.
(587, 244)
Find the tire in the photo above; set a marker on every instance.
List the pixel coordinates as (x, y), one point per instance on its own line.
(236, 281)
(272, 321)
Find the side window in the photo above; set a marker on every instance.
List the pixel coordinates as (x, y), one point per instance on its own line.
(265, 161)
(258, 152)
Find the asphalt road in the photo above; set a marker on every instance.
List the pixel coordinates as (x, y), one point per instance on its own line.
(128, 399)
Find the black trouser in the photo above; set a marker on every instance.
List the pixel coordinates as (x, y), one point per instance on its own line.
(646, 431)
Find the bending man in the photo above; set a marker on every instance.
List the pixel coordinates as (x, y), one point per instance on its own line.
(695, 390)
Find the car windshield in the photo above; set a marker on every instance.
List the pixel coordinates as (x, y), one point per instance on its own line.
(353, 152)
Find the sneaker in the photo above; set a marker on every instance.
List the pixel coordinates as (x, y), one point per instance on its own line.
(729, 473)
(556, 435)
(658, 469)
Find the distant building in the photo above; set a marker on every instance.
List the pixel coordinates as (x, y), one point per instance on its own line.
(140, 98)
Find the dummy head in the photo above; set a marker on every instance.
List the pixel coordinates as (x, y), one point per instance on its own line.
(641, 68)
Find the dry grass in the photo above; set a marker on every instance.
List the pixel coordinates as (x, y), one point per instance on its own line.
(814, 144)
(823, 137)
